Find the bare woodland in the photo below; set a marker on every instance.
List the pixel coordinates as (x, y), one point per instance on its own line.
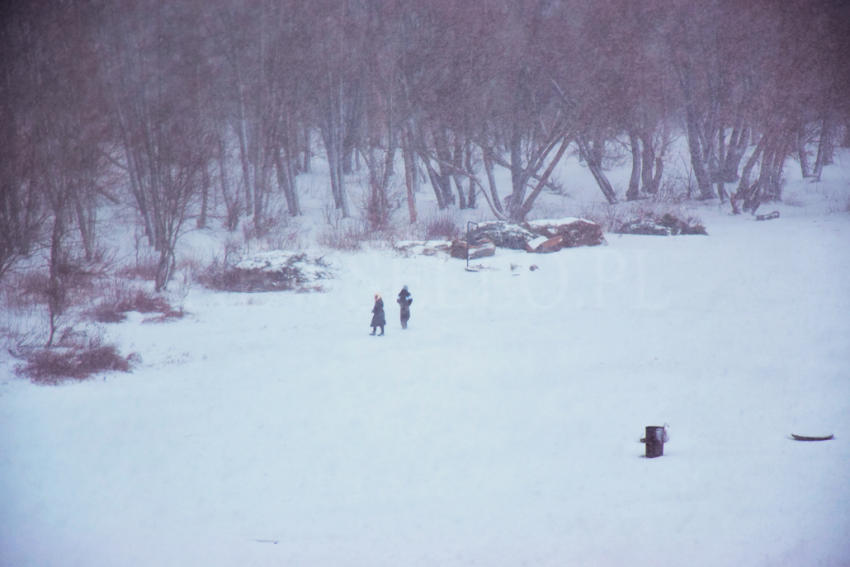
(174, 106)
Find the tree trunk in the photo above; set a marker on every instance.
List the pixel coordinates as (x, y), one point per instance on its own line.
(697, 159)
(165, 267)
(529, 202)
(734, 153)
(659, 171)
(56, 291)
(411, 178)
(519, 177)
(457, 161)
(495, 201)
(436, 183)
(472, 187)
(86, 221)
(770, 176)
(593, 158)
(306, 164)
(242, 135)
(286, 181)
(444, 157)
(261, 181)
(649, 161)
(332, 137)
(633, 192)
(742, 195)
(802, 155)
(231, 202)
(205, 196)
(825, 147)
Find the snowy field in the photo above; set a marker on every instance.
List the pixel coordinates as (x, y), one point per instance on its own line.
(501, 429)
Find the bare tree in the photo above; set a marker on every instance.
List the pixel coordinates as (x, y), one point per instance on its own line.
(59, 131)
(166, 144)
(338, 90)
(21, 202)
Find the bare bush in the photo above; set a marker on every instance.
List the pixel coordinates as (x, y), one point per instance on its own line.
(24, 289)
(287, 238)
(52, 366)
(297, 272)
(346, 236)
(441, 226)
(270, 223)
(676, 188)
(608, 216)
(123, 299)
(143, 269)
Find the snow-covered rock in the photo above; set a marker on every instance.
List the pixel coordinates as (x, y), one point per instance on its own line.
(422, 247)
(546, 235)
(664, 225)
(503, 234)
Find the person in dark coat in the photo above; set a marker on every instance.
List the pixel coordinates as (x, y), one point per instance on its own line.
(405, 300)
(378, 318)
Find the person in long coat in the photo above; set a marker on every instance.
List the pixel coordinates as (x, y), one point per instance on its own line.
(378, 317)
(405, 300)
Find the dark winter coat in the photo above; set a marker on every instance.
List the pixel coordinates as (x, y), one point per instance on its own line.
(378, 318)
(405, 300)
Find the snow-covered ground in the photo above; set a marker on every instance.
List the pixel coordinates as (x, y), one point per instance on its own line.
(500, 429)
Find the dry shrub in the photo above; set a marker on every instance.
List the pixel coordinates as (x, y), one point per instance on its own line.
(291, 276)
(347, 237)
(56, 365)
(24, 289)
(123, 300)
(441, 227)
(75, 284)
(143, 269)
(255, 229)
(166, 317)
(609, 217)
(144, 302)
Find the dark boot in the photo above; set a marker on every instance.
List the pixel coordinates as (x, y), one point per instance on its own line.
(382, 332)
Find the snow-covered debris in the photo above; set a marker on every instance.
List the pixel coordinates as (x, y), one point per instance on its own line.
(567, 232)
(276, 270)
(549, 227)
(502, 234)
(549, 235)
(422, 247)
(768, 216)
(645, 226)
(479, 249)
(538, 243)
(664, 225)
(546, 235)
